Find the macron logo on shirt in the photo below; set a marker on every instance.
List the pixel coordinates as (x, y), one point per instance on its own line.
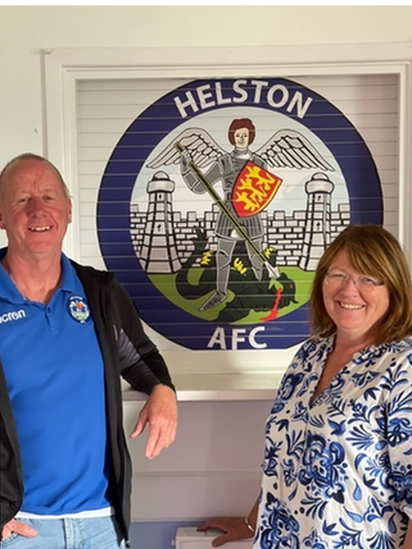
(13, 315)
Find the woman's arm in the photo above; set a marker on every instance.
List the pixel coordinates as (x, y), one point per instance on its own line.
(408, 540)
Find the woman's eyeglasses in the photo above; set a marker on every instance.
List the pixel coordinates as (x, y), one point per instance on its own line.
(362, 282)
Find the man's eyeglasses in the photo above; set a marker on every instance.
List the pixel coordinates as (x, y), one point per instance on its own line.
(362, 282)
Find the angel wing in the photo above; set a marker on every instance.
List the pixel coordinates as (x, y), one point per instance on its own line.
(290, 149)
(200, 145)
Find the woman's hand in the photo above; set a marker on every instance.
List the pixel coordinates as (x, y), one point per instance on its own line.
(234, 529)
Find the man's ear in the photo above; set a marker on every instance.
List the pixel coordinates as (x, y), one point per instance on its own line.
(70, 211)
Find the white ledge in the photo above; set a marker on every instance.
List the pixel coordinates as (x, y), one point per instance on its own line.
(203, 387)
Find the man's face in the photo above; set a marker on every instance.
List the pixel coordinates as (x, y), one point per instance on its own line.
(241, 137)
(34, 210)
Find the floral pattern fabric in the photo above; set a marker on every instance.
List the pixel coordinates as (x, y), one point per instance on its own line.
(337, 471)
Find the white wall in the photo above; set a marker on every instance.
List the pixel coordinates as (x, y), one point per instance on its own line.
(212, 468)
(25, 30)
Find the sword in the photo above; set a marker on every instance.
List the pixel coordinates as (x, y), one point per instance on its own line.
(273, 271)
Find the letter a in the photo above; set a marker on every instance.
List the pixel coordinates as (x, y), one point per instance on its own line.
(218, 338)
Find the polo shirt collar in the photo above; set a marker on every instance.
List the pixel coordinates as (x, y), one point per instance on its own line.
(68, 279)
(8, 290)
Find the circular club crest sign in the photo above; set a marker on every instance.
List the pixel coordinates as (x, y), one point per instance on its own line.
(218, 201)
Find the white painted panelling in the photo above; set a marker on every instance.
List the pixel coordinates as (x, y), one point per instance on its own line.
(114, 127)
(89, 237)
(87, 209)
(88, 195)
(213, 467)
(203, 443)
(88, 223)
(91, 166)
(192, 497)
(190, 538)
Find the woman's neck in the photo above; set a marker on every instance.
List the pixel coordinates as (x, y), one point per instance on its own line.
(346, 344)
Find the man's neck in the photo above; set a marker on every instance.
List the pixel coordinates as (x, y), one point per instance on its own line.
(37, 278)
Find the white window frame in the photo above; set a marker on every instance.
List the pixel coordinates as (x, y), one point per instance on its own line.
(63, 69)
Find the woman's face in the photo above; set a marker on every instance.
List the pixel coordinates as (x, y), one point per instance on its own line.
(354, 301)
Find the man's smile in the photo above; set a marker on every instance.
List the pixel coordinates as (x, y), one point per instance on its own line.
(40, 229)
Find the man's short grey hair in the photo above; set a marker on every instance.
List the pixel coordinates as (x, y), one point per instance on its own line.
(32, 156)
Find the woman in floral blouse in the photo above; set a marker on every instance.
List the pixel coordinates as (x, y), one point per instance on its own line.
(337, 469)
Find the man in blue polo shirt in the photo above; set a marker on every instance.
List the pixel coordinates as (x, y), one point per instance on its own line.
(67, 334)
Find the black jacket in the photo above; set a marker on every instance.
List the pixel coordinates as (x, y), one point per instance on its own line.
(126, 351)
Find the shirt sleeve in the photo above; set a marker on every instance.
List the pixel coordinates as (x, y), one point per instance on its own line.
(399, 430)
(141, 363)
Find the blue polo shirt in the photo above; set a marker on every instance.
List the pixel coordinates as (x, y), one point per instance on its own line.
(54, 373)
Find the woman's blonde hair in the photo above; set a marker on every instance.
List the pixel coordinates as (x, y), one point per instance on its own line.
(371, 250)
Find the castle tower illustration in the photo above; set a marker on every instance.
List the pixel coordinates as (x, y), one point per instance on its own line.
(318, 220)
(158, 253)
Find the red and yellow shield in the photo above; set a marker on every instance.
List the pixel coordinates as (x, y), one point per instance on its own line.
(253, 190)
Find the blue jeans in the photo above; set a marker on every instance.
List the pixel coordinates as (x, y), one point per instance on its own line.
(79, 533)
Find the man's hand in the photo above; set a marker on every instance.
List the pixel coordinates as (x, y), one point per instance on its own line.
(234, 529)
(18, 528)
(160, 411)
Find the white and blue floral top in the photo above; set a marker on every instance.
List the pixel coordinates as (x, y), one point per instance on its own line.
(337, 472)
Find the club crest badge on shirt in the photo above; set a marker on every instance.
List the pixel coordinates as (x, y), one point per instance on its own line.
(78, 309)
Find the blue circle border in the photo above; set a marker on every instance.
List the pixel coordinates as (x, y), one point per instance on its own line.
(123, 167)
